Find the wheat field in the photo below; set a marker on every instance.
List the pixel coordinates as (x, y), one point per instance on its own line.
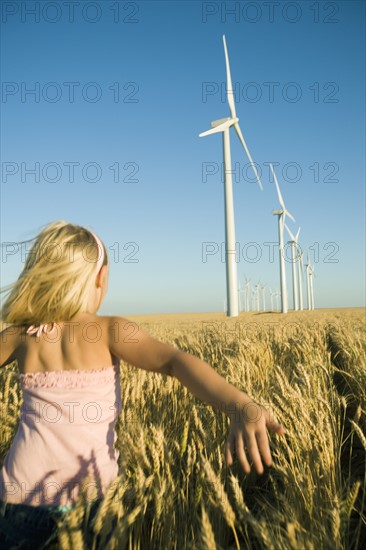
(175, 490)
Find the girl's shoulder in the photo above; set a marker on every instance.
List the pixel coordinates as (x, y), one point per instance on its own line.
(13, 336)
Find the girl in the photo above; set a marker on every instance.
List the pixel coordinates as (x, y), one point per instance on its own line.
(68, 359)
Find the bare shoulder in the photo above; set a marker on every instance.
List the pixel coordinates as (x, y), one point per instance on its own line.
(131, 344)
(121, 329)
(114, 328)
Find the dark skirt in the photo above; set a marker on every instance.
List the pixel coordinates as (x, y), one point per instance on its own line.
(32, 527)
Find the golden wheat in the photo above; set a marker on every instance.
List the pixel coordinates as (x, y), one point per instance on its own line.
(307, 368)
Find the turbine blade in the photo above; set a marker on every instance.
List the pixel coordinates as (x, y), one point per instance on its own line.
(290, 215)
(278, 188)
(289, 232)
(219, 128)
(230, 93)
(297, 234)
(240, 135)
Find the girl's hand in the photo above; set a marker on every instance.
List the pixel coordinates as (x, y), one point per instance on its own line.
(248, 427)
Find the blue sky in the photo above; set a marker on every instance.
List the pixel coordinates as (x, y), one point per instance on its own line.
(299, 82)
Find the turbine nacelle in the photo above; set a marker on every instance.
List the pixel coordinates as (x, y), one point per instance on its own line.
(284, 209)
(219, 121)
(293, 238)
(223, 124)
(220, 125)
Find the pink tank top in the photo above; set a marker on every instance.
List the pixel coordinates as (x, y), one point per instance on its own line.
(66, 431)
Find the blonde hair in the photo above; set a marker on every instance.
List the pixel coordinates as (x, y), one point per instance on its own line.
(57, 277)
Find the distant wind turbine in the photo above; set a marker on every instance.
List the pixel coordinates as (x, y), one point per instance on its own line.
(308, 283)
(254, 299)
(247, 294)
(295, 258)
(271, 296)
(240, 292)
(264, 297)
(312, 275)
(257, 287)
(277, 300)
(281, 220)
(300, 271)
(223, 125)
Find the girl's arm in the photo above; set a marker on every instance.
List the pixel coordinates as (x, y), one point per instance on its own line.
(248, 419)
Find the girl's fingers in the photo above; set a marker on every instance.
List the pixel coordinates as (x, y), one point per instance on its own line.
(263, 446)
(229, 449)
(240, 453)
(254, 453)
(276, 427)
(272, 424)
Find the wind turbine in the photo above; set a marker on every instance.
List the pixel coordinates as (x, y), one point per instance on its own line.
(281, 220)
(247, 294)
(246, 291)
(295, 257)
(254, 299)
(240, 291)
(271, 295)
(257, 287)
(264, 297)
(223, 125)
(307, 269)
(300, 272)
(312, 275)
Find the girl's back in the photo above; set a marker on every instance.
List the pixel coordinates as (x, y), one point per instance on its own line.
(79, 344)
(71, 401)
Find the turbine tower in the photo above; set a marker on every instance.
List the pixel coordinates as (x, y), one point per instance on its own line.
(311, 278)
(271, 295)
(257, 287)
(295, 257)
(254, 300)
(300, 270)
(223, 125)
(281, 220)
(247, 284)
(307, 269)
(247, 294)
(277, 295)
(240, 292)
(263, 287)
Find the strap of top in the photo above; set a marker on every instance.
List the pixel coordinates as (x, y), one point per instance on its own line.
(46, 327)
